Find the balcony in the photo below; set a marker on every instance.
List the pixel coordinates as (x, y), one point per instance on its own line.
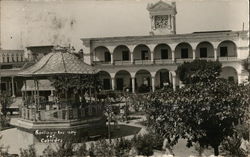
(182, 60)
(207, 58)
(102, 63)
(164, 61)
(122, 62)
(229, 58)
(143, 62)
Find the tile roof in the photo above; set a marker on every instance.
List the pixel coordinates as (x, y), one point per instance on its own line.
(58, 63)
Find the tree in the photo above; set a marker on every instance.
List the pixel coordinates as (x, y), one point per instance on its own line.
(204, 111)
(5, 101)
(199, 71)
(76, 85)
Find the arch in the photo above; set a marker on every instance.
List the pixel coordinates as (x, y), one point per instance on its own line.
(143, 81)
(162, 51)
(229, 73)
(204, 50)
(183, 50)
(227, 48)
(121, 53)
(105, 79)
(141, 52)
(102, 54)
(123, 80)
(162, 77)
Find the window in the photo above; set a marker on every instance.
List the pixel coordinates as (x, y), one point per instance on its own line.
(125, 55)
(107, 57)
(164, 53)
(184, 53)
(144, 55)
(223, 52)
(203, 52)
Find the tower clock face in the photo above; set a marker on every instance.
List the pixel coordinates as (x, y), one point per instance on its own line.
(162, 21)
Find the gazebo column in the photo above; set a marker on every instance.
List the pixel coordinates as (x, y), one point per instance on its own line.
(13, 87)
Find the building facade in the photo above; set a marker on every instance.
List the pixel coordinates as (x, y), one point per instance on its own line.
(136, 61)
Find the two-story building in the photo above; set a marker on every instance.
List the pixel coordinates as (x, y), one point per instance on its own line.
(133, 61)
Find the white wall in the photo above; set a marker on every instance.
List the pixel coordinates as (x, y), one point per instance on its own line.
(210, 50)
(99, 53)
(137, 52)
(229, 72)
(178, 50)
(231, 49)
(157, 51)
(118, 52)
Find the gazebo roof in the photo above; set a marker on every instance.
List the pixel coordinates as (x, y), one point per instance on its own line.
(58, 63)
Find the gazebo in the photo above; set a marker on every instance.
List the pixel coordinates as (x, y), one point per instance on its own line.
(43, 113)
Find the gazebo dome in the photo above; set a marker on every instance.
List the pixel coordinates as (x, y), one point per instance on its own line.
(58, 62)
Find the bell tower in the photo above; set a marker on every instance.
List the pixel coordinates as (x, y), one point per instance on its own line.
(162, 17)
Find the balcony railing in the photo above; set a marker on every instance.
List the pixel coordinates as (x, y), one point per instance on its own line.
(182, 60)
(143, 62)
(121, 62)
(206, 58)
(229, 58)
(102, 63)
(164, 61)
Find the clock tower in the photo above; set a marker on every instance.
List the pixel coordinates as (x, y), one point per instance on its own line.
(162, 17)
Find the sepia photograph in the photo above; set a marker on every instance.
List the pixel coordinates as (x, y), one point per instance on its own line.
(124, 78)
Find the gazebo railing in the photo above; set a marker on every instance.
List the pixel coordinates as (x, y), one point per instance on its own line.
(59, 112)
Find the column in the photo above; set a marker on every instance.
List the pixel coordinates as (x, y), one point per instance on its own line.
(174, 81)
(153, 84)
(113, 83)
(152, 57)
(173, 56)
(112, 59)
(215, 54)
(133, 85)
(194, 54)
(132, 57)
(13, 86)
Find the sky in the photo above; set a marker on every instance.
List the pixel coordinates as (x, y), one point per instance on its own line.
(45, 22)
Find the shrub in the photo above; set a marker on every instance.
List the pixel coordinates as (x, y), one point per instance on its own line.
(122, 147)
(28, 152)
(143, 144)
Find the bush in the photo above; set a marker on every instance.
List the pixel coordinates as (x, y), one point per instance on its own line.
(103, 148)
(143, 89)
(144, 144)
(231, 146)
(122, 147)
(28, 152)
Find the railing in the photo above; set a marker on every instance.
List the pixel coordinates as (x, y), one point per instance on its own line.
(55, 113)
(182, 60)
(164, 61)
(121, 62)
(207, 58)
(12, 57)
(102, 63)
(229, 58)
(143, 62)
